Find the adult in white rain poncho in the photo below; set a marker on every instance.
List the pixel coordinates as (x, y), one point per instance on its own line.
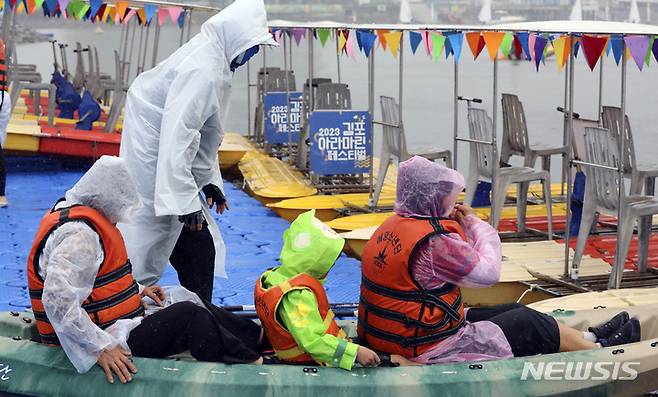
(172, 131)
(85, 299)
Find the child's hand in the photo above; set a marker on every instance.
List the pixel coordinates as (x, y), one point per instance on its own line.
(366, 357)
(461, 211)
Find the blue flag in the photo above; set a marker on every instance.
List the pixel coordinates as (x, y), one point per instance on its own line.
(368, 41)
(617, 45)
(150, 10)
(523, 39)
(415, 39)
(456, 41)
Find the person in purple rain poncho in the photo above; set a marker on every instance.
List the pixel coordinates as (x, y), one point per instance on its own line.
(462, 254)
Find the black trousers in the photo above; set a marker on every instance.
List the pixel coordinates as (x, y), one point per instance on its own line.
(528, 331)
(3, 173)
(214, 335)
(193, 258)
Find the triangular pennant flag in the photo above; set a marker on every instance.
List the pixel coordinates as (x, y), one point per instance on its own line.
(349, 47)
(654, 49)
(368, 42)
(506, 45)
(647, 60)
(174, 13)
(393, 40)
(576, 47)
(149, 11)
(427, 40)
(95, 6)
(358, 40)
(531, 46)
(30, 6)
(382, 38)
(438, 41)
(162, 16)
(277, 36)
(456, 43)
(617, 44)
(341, 41)
(63, 4)
(107, 12)
(558, 47)
(323, 35)
(540, 44)
(181, 20)
(475, 43)
(142, 16)
(120, 9)
(20, 7)
(99, 14)
(415, 39)
(523, 38)
(129, 15)
(593, 47)
(298, 33)
(12, 4)
(447, 46)
(638, 46)
(493, 40)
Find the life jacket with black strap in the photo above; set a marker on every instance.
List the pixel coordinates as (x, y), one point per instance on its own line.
(115, 294)
(267, 302)
(4, 72)
(397, 315)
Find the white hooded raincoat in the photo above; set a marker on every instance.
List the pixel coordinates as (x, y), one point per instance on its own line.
(173, 129)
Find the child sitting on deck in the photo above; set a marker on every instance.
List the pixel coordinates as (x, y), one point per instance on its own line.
(414, 265)
(292, 303)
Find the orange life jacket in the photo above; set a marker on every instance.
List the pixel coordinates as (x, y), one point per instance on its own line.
(396, 315)
(115, 294)
(267, 302)
(4, 73)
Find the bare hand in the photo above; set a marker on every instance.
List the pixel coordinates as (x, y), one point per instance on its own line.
(461, 211)
(367, 357)
(154, 292)
(118, 361)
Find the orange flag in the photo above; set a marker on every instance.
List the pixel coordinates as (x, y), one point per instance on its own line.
(493, 40)
(121, 7)
(475, 43)
(382, 37)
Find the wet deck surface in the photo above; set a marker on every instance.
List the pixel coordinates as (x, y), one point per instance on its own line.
(252, 234)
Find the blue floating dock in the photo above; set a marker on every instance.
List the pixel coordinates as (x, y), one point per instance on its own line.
(252, 234)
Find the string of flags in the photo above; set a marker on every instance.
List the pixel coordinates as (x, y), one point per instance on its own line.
(529, 46)
(98, 11)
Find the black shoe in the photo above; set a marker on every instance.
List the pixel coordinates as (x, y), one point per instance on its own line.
(606, 330)
(629, 333)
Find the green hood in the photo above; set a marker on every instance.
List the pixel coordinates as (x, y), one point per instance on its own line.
(309, 246)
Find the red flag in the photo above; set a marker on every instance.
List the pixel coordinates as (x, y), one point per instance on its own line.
(593, 48)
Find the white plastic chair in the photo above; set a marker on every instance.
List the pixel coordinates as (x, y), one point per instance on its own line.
(602, 195)
(394, 144)
(484, 164)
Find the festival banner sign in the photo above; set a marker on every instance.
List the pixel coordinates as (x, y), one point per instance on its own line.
(276, 113)
(340, 142)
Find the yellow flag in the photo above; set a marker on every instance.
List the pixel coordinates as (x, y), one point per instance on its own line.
(341, 41)
(558, 46)
(393, 41)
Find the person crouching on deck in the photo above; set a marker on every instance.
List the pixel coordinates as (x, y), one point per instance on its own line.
(412, 270)
(85, 299)
(292, 303)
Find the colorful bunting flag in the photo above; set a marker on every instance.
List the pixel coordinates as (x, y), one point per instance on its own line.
(174, 13)
(654, 49)
(162, 16)
(617, 44)
(120, 8)
(382, 38)
(63, 4)
(100, 13)
(415, 39)
(493, 40)
(349, 46)
(149, 11)
(523, 38)
(638, 46)
(506, 45)
(438, 41)
(393, 40)
(142, 16)
(647, 59)
(277, 36)
(12, 4)
(427, 39)
(341, 41)
(475, 43)
(95, 6)
(531, 46)
(447, 47)
(130, 14)
(576, 47)
(181, 20)
(323, 35)
(559, 46)
(456, 43)
(368, 41)
(593, 47)
(539, 46)
(298, 33)
(358, 40)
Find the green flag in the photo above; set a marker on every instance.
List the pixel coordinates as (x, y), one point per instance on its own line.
(506, 45)
(323, 34)
(438, 41)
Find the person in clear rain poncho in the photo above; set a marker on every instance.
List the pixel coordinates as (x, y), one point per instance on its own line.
(84, 297)
(414, 265)
(174, 124)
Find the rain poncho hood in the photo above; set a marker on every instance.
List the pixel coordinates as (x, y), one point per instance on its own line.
(108, 188)
(174, 123)
(309, 246)
(426, 189)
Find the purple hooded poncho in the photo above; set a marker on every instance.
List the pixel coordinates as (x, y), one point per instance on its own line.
(428, 189)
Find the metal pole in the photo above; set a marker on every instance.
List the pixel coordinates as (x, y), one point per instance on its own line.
(617, 271)
(371, 110)
(189, 25)
(565, 133)
(123, 32)
(182, 30)
(455, 102)
(132, 47)
(573, 274)
(494, 143)
(600, 109)
(338, 56)
(124, 50)
(139, 50)
(285, 70)
(401, 78)
(248, 101)
(146, 47)
(156, 43)
(261, 98)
